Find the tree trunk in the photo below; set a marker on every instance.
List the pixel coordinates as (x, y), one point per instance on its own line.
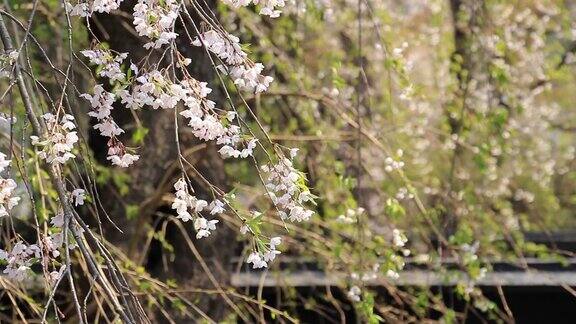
(467, 16)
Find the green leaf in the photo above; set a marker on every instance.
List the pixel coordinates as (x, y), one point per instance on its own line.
(132, 211)
(139, 135)
(394, 209)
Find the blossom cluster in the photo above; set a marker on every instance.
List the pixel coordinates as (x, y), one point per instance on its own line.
(269, 7)
(354, 293)
(185, 204)
(58, 142)
(155, 90)
(6, 62)
(85, 9)
(398, 238)
(23, 256)
(351, 216)
(101, 102)
(160, 89)
(207, 125)
(286, 189)
(77, 196)
(404, 193)
(260, 259)
(246, 74)
(7, 187)
(392, 164)
(229, 149)
(19, 260)
(155, 20)
(249, 77)
(108, 63)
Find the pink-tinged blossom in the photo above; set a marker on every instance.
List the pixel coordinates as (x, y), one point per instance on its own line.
(19, 260)
(101, 102)
(246, 74)
(108, 128)
(155, 20)
(282, 184)
(189, 208)
(108, 62)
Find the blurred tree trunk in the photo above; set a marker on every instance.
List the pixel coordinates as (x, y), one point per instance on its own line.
(468, 63)
(153, 176)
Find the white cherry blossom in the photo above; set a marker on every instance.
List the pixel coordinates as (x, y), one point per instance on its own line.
(85, 9)
(108, 62)
(246, 74)
(189, 208)
(56, 147)
(19, 260)
(7, 188)
(78, 196)
(282, 183)
(125, 160)
(268, 7)
(257, 260)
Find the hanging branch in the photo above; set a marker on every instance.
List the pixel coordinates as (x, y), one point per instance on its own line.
(128, 312)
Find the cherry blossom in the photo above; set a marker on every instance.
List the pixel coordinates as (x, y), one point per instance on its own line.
(270, 255)
(101, 102)
(268, 7)
(189, 208)
(84, 9)
(78, 196)
(354, 293)
(204, 226)
(58, 143)
(108, 63)
(19, 260)
(257, 261)
(282, 183)
(125, 160)
(246, 74)
(216, 207)
(399, 239)
(7, 188)
(155, 20)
